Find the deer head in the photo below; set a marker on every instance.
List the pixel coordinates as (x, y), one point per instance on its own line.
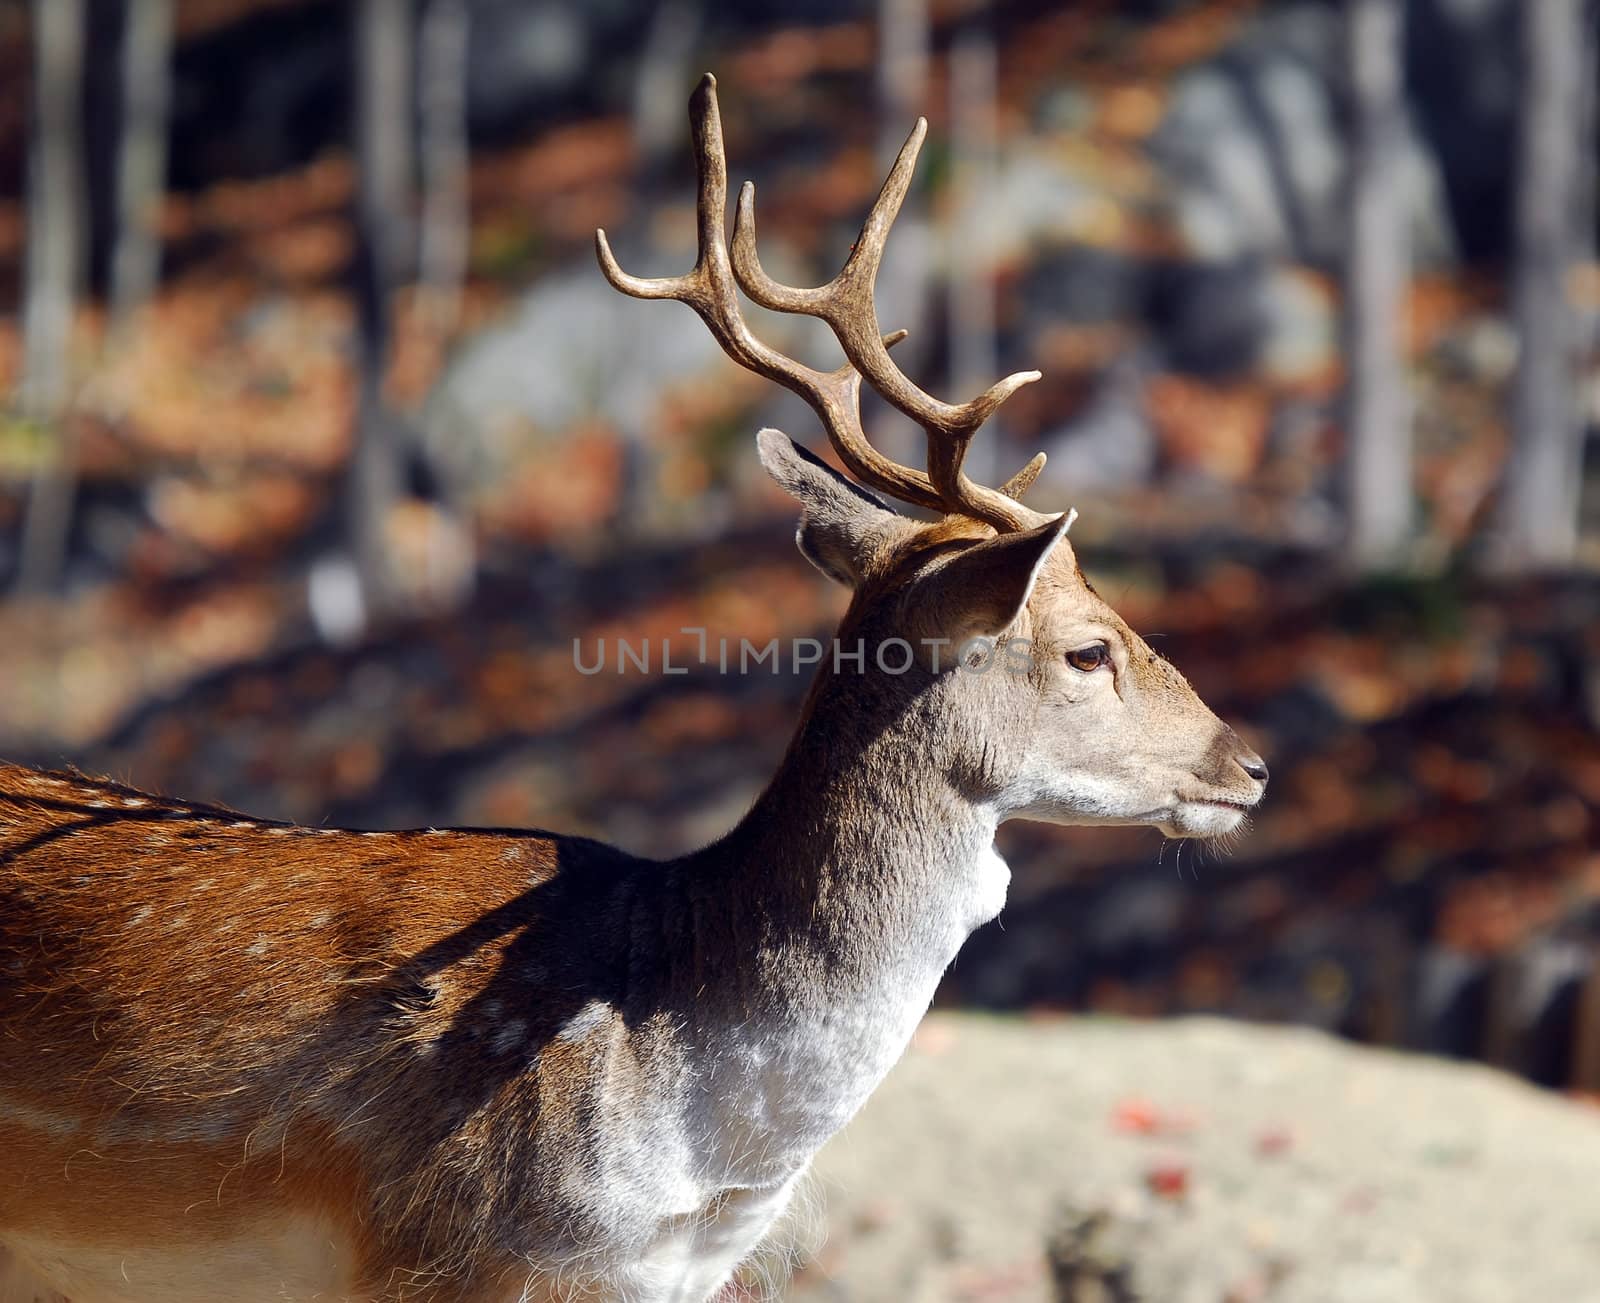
(1018, 683)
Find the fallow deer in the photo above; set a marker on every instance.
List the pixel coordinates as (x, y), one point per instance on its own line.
(242, 1060)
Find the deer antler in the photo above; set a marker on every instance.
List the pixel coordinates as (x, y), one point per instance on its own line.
(846, 304)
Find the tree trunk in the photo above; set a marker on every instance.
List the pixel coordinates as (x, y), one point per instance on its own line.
(1378, 416)
(446, 217)
(903, 281)
(51, 276)
(383, 216)
(974, 357)
(658, 86)
(1539, 510)
(141, 159)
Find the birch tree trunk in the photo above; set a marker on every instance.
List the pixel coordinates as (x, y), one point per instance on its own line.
(383, 218)
(974, 356)
(904, 38)
(141, 160)
(1378, 416)
(658, 87)
(1539, 509)
(52, 261)
(446, 220)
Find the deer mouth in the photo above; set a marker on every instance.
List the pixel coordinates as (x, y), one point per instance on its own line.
(1208, 816)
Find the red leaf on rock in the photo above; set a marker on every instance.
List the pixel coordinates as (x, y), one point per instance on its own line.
(1137, 1117)
(1168, 1178)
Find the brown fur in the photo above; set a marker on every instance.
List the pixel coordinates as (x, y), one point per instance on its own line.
(203, 1015)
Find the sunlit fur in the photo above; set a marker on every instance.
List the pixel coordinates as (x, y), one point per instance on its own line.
(242, 1060)
(1129, 743)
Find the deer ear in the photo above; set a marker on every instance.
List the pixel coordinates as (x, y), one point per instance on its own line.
(842, 525)
(980, 592)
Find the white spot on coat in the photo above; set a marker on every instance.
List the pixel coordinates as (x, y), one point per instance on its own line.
(588, 1020)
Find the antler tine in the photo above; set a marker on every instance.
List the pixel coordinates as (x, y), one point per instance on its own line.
(1023, 480)
(697, 288)
(847, 305)
(710, 289)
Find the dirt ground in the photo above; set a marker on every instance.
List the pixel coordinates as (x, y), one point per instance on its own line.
(1200, 1161)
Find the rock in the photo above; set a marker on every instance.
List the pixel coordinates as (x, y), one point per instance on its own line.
(1253, 148)
(1461, 74)
(540, 366)
(1038, 198)
(1211, 315)
(1091, 1257)
(1450, 1004)
(575, 367)
(1482, 347)
(1300, 317)
(1409, 1180)
(528, 54)
(1218, 318)
(1083, 285)
(1108, 443)
(1543, 981)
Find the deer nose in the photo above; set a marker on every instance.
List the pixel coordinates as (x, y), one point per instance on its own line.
(1253, 765)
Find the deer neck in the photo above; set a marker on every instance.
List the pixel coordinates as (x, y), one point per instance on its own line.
(869, 839)
(825, 919)
(865, 842)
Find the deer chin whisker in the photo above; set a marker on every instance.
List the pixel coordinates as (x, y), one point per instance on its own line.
(1228, 842)
(1209, 818)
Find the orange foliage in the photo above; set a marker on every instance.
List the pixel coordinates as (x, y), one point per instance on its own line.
(1220, 430)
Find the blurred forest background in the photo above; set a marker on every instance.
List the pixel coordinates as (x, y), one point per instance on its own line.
(322, 438)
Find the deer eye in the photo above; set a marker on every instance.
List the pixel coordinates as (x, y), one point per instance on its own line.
(1090, 658)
